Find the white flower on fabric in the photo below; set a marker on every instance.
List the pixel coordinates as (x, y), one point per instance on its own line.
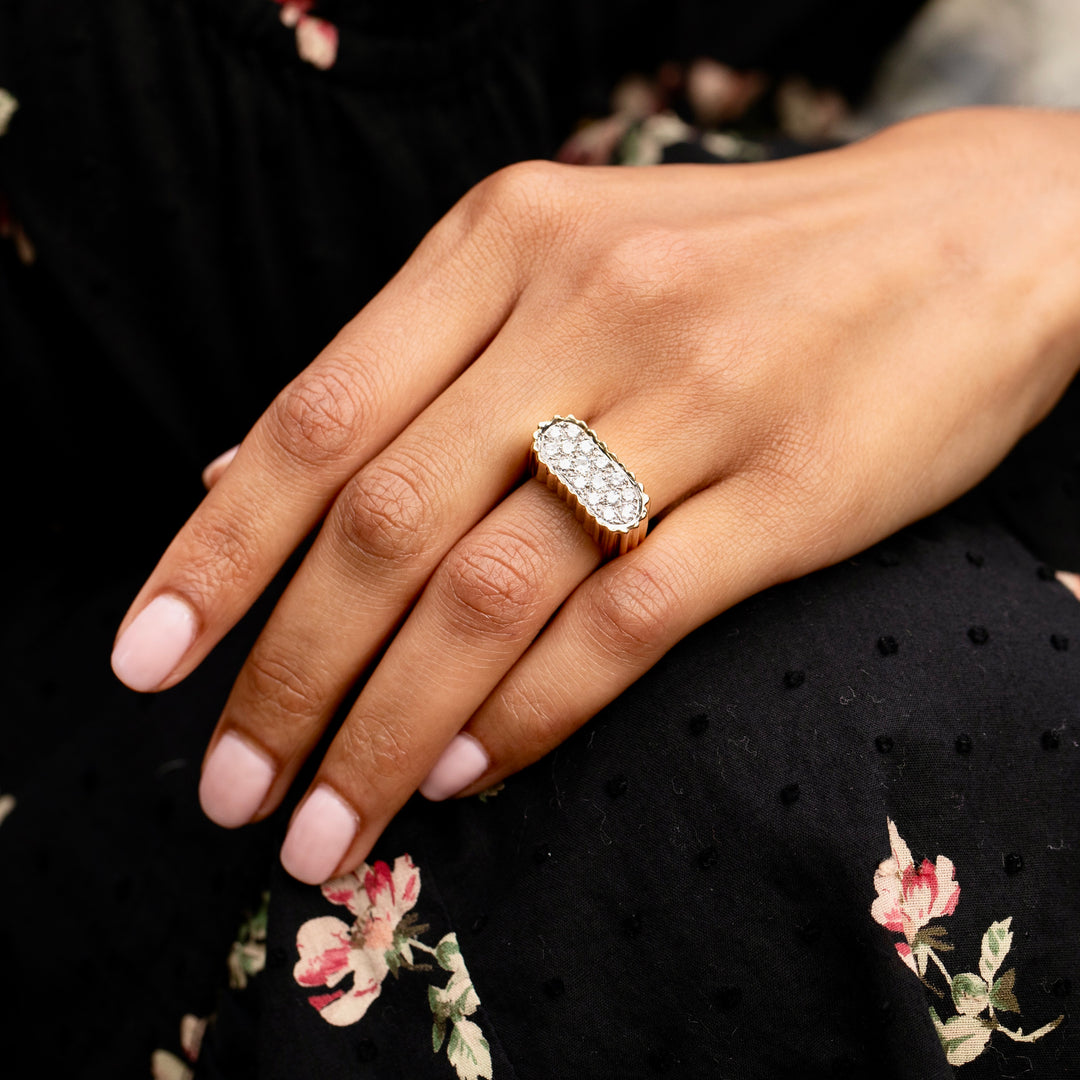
(909, 896)
(317, 41)
(331, 950)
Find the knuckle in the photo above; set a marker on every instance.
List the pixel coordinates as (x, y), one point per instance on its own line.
(493, 585)
(378, 747)
(270, 679)
(385, 513)
(523, 198)
(317, 417)
(632, 611)
(218, 556)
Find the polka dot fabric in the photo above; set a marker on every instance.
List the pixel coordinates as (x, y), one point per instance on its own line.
(685, 887)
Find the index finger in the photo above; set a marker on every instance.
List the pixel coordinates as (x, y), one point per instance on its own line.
(377, 374)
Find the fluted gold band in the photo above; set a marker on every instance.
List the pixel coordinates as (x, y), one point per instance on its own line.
(611, 505)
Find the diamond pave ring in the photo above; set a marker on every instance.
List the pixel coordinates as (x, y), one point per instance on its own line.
(611, 505)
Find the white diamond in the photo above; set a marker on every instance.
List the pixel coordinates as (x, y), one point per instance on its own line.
(600, 484)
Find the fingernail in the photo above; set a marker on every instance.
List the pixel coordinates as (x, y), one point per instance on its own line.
(462, 763)
(234, 782)
(152, 646)
(1071, 581)
(319, 837)
(217, 466)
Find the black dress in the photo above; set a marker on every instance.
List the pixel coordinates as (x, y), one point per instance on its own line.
(834, 833)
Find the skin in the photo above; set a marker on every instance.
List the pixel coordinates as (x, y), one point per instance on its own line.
(795, 358)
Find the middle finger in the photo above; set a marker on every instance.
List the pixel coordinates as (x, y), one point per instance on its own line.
(386, 532)
(483, 606)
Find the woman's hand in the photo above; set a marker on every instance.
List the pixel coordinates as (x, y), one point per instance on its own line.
(795, 358)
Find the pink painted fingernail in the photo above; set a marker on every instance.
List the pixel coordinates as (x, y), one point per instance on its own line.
(319, 837)
(234, 782)
(152, 646)
(462, 763)
(1071, 581)
(217, 466)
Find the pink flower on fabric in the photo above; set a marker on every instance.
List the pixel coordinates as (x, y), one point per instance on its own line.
(909, 896)
(377, 942)
(292, 10)
(317, 42)
(316, 39)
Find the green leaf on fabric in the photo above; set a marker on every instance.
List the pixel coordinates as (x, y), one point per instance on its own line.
(469, 1052)
(969, 993)
(393, 961)
(1001, 993)
(466, 1047)
(963, 1038)
(996, 943)
(447, 952)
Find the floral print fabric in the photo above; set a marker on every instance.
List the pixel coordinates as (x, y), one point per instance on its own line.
(908, 898)
(316, 38)
(346, 963)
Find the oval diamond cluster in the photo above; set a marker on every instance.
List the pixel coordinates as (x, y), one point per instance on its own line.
(607, 490)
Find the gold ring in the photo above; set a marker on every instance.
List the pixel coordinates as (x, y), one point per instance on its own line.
(611, 505)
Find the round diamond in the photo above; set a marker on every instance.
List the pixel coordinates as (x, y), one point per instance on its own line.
(612, 497)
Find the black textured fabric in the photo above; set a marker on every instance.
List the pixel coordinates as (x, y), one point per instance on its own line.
(683, 888)
(708, 913)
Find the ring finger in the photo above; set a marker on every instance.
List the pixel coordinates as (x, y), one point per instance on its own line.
(383, 536)
(484, 605)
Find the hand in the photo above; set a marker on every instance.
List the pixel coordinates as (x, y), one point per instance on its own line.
(795, 358)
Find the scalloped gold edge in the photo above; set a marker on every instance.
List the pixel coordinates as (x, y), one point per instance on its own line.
(612, 540)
